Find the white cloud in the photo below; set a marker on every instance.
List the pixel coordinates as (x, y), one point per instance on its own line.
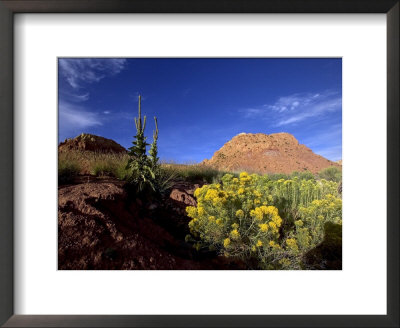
(81, 71)
(297, 107)
(76, 117)
(289, 103)
(106, 112)
(253, 112)
(312, 109)
(74, 97)
(83, 97)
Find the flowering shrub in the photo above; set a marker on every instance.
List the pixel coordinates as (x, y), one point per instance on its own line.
(303, 192)
(239, 218)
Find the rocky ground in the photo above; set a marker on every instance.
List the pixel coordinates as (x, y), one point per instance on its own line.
(99, 227)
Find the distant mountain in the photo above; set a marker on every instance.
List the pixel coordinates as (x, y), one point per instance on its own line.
(262, 153)
(91, 142)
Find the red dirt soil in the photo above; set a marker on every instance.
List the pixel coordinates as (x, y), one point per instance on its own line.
(100, 228)
(261, 153)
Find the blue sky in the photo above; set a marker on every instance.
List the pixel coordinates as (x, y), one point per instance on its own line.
(201, 103)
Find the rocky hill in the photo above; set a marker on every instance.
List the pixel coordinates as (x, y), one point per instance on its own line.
(91, 142)
(261, 153)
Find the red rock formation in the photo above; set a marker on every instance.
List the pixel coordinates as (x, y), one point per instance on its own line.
(91, 142)
(261, 153)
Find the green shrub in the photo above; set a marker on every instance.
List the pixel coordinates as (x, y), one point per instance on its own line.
(278, 176)
(332, 173)
(303, 175)
(241, 218)
(197, 173)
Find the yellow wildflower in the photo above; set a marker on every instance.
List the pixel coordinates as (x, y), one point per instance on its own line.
(240, 191)
(240, 214)
(259, 243)
(263, 227)
(299, 223)
(244, 178)
(227, 242)
(191, 211)
(292, 244)
(235, 234)
(192, 223)
(219, 222)
(273, 225)
(200, 210)
(257, 213)
(277, 220)
(211, 194)
(197, 192)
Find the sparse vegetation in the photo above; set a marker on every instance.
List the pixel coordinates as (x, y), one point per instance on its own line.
(90, 162)
(194, 172)
(332, 173)
(67, 170)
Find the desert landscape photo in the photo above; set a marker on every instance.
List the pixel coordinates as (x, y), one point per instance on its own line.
(199, 164)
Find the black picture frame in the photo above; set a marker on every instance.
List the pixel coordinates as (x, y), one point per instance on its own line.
(10, 7)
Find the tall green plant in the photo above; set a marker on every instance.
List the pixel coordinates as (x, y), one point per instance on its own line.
(139, 165)
(138, 158)
(145, 170)
(153, 152)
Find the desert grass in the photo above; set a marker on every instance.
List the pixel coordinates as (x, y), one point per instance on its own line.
(75, 162)
(195, 172)
(99, 164)
(94, 163)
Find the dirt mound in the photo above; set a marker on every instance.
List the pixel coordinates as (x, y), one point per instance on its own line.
(91, 142)
(261, 153)
(100, 228)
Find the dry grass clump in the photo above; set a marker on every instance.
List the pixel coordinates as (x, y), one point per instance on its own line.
(194, 172)
(94, 163)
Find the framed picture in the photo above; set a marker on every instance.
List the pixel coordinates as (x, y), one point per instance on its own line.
(258, 217)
